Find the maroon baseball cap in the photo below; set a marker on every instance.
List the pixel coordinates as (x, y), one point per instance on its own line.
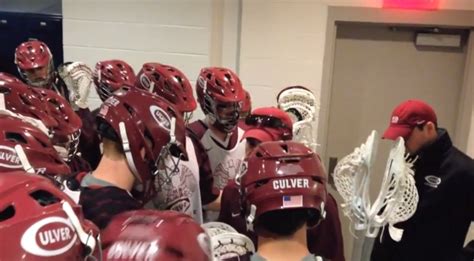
(278, 125)
(408, 115)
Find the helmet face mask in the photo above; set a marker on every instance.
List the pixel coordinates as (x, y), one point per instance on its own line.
(38, 77)
(224, 115)
(166, 166)
(221, 96)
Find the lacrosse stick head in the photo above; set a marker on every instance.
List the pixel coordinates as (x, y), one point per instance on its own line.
(78, 79)
(398, 196)
(32, 215)
(227, 243)
(155, 235)
(299, 101)
(231, 246)
(351, 177)
(215, 228)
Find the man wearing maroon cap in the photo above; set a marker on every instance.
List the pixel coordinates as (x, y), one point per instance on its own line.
(445, 181)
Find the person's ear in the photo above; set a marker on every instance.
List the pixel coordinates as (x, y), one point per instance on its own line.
(430, 127)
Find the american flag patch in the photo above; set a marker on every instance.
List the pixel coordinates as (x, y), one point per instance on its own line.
(292, 201)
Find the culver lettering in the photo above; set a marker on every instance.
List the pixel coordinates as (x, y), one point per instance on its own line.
(6, 156)
(55, 235)
(290, 183)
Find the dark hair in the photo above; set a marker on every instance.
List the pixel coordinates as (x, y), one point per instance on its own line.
(283, 223)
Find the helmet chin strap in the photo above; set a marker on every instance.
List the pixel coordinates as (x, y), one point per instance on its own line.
(127, 150)
(24, 160)
(86, 238)
(173, 130)
(251, 218)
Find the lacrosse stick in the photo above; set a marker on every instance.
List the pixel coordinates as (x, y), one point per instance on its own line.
(351, 176)
(226, 242)
(78, 79)
(300, 103)
(396, 201)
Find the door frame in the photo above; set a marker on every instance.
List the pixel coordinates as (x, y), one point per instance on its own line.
(442, 18)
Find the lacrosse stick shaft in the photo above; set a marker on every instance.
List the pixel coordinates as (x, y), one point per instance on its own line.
(357, 245)
(367, 248)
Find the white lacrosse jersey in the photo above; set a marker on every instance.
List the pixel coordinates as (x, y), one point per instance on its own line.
(225, 157)
(182, 192)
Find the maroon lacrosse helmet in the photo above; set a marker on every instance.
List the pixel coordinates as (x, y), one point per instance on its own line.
(283, 175)
(34, 54)
(6, 77)
(20, 98)
(219, 88)
(40, 222)
(155, 235)
(140, 120)
(110, 75)
(169, 83)
(36, 146)
(66, 134)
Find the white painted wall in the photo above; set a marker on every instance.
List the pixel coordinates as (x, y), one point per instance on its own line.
(175, 32)
(282, 44)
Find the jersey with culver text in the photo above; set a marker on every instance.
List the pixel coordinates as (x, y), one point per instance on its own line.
(225, 157)
(182, 192)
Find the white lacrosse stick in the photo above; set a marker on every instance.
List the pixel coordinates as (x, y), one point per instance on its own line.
(351, 176)
(226, 242)
(78, 79)
(397, 199)
(301, 105)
